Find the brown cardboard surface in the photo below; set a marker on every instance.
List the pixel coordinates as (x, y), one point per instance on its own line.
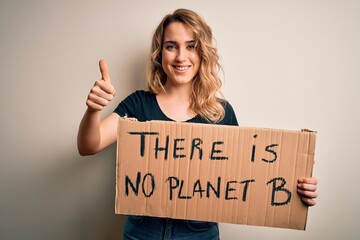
(213, 173)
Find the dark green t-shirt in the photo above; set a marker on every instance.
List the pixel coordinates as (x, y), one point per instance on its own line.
(143, 106)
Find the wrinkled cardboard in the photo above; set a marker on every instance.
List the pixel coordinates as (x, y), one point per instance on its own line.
(241, 175)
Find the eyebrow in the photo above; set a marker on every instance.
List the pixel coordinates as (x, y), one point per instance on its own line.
(174, 42)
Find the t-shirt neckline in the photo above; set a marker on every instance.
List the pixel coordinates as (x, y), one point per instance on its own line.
(165, 116)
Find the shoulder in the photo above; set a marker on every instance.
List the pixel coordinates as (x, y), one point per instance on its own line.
(134, 103)
(227, 106)
(140, 94)
(229, 115)
(139, 97)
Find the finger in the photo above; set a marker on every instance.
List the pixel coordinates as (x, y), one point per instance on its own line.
(93, 106)
(308, 187)
(105, 86)
(103, 90)
(309, 201)
(104, 70)
(307, 194)
(310, 180)
(98, 100)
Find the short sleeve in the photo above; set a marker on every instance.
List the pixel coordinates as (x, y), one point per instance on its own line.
(230, 116)
(128, 107)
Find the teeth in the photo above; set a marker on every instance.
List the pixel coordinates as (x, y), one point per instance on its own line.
(181, 68)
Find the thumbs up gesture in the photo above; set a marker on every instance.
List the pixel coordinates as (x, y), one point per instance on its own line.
(102, 92)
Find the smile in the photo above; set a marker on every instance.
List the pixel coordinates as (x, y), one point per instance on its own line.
(181, 68)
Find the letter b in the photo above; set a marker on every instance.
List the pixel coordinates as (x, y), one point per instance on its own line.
(276, 189)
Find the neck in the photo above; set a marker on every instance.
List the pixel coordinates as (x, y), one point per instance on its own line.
(179, 92)
(175, 102)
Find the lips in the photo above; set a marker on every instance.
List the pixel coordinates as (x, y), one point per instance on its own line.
(181, 68)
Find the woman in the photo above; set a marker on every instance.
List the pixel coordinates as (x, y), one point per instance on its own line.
(183, 86)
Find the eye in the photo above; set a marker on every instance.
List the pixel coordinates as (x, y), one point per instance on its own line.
(170, 47)
(191, 46)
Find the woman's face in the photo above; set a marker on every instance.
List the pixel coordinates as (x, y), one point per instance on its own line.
(180, 57)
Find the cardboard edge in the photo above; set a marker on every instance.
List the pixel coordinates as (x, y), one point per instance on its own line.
(116, 166)
(312, 145)
(120, 119)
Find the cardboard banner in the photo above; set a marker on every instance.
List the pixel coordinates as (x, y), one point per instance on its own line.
(212, 172)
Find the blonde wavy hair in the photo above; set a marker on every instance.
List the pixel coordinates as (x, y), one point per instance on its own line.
(206, 84)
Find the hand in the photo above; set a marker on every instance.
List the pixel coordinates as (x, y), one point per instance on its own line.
(102, 92)
(307, 190)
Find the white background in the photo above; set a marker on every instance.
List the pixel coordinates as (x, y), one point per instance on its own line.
(288, 64)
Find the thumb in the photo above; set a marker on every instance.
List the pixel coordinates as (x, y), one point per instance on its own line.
(104, 70)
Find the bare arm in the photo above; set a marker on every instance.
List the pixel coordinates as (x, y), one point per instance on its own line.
(94, 135)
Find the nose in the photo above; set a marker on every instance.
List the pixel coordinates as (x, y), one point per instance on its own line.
(181, 55)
